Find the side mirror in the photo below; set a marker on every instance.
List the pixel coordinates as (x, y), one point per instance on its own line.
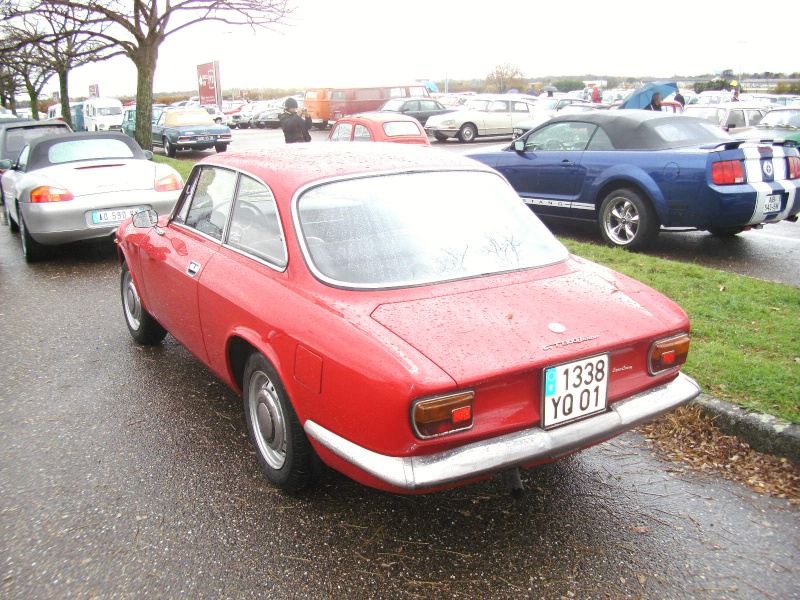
(519, 145)
(6, 164)
(148, 154)
(145, 219)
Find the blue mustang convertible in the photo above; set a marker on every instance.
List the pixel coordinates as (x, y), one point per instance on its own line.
(634, 172)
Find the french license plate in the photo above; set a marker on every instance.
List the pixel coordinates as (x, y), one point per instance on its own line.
(773, 203)
(574, 390)
(114, 216)
(204, 138)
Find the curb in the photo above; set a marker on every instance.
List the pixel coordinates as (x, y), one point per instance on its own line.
(762, 432)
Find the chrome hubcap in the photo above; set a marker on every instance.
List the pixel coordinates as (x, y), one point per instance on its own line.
(622, 221)
(268, 420)
(131, 303)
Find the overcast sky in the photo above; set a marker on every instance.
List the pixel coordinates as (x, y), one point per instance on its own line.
(350, 42)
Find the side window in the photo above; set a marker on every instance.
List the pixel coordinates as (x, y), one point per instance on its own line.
(255, 224)
(341, 132)
(361, 134)
(735, 118)
(411, 105)
(22, 159)
(210, 203)
(520, 107)
(600, 141)
(428, 105)
(498, 106)
(755, 116)
(560, 136)
(162, 118)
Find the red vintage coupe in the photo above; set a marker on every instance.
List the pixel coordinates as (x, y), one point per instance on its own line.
(398, 314)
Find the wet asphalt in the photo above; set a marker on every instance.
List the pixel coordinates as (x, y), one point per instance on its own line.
(126, 472)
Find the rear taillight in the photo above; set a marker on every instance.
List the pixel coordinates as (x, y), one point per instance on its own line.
(793, 167)
(727, 172)
(169, 183)
(441, 415)
(48, 193)
(668, 354)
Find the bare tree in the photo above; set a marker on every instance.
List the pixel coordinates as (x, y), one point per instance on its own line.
(137, 28)
(505, 77)
(25, 59)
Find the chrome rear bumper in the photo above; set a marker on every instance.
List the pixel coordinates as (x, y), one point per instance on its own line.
(510, 450)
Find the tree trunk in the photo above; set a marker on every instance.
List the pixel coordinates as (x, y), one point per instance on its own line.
(33, 94)
(145, 60)
(66, 114)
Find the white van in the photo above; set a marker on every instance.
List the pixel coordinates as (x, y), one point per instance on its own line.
(102, 114)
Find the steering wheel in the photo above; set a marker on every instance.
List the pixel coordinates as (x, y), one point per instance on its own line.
(553, 145)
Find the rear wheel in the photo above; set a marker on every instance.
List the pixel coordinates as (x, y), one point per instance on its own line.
(281, 445)
(220, 147)
(169, 149)
(627, 220)
(141, 325)
(467, 133)
(32, 250)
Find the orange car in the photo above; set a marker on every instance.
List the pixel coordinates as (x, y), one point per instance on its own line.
(379, 127)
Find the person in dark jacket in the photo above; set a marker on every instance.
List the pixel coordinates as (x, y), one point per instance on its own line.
(655, 103)
(679, 98)
(295, 126)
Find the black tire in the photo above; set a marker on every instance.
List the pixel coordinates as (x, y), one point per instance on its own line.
(13, 227)
(440, 137)
(141, 325)
(627, 220)
(725, 231)
(467, 133)
(281, 445)
(220, 147)
(32, 250)
(169, 149)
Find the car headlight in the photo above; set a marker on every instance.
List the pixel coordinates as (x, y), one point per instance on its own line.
(447, 123)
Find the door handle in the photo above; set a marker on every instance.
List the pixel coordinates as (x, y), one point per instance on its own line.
(567, 163)
(193, 269)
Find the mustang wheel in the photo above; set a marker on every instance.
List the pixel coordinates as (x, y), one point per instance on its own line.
(467, 133)
(627, 220)
(169, 149)
(143, 327)
(281, 445)
(31, 249)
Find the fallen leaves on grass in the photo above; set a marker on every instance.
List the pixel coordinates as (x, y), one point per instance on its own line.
(689, 436)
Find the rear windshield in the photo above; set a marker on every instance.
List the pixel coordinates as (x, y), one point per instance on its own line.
(690, 133)
(88, 150)
(17, 138)
(418, 228)
(398, 128)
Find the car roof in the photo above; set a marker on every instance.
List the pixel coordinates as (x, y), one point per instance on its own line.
(26, 122)
(634, 129)
(288, 168)
(40, 147)
(379, 117)
(728, 105)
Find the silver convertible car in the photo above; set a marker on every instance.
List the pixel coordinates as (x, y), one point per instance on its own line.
(79, 186)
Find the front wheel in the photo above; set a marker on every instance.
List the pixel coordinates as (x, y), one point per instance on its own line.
(141, 325)
(281, 445)
(440, 137)
(169, 149)
(627, 220)
(467, 133)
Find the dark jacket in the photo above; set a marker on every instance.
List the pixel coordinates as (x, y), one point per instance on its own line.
(295, 128)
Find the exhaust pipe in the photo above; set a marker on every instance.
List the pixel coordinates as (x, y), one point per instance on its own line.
(513, 483)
